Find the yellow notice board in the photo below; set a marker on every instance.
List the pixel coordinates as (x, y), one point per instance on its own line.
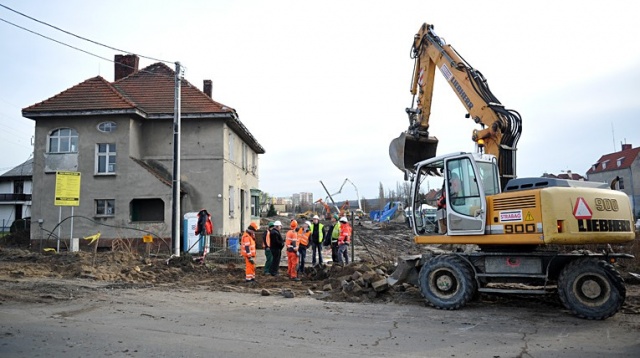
(67, 189)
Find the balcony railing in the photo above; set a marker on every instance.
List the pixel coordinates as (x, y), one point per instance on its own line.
(15, 197)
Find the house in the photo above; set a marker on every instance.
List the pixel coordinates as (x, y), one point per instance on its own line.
(569, 175)
(119, 136)
(624, 164)
(15, 194)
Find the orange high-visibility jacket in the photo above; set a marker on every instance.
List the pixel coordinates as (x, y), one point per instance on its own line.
(345, 234)
(248, 248)
(291, 241)
(267, 239)
(303, 237)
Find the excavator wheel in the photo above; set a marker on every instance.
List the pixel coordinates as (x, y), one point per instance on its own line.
(447, 282)
(591, 288)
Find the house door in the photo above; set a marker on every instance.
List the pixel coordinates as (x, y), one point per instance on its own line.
(242, 205)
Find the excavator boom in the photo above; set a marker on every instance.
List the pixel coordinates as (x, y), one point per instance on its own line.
(500, 128)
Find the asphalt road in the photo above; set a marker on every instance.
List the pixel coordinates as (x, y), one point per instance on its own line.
(201, 323)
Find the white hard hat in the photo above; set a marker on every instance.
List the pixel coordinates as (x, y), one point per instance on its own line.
(343, 219)
(307, 223)
(316, 217)
(277, 223)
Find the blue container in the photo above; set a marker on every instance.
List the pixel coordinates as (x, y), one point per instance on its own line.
(232, 244)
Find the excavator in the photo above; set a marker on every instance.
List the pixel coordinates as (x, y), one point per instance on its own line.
(327, 208)
(521, 226)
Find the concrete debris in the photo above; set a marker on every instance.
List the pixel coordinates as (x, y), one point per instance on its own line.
(265, 292)
(287, 293)
(380, 285)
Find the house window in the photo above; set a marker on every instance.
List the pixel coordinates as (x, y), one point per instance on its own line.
(244, 156)
(18, 187)
(105, 207)
(105, 158)
(604, 164)
(107, 127)
(619, 161)
(255, 205)
(146, 210)
(231, 156)
(231, 201)
(254, 163)
(63, 140)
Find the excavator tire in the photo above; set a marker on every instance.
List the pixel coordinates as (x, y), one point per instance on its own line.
(591, 288)
(446, 282)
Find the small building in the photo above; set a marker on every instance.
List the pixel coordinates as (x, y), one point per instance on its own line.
(569, 175)
(15, 194)
(624, 164)
(119, 136)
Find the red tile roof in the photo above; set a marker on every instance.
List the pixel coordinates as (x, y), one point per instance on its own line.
(626, 158)
(148, 92)
(152, 89)
(93, 94)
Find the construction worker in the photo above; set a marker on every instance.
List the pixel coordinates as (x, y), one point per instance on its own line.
(334, 233)
(291, 243)
(204, 228)
(249, 252)
(343, 240)
(276, 243)
(317, 235)
(303, 243)
(266, 243)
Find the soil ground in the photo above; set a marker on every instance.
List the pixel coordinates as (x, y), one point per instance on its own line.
(30, 276)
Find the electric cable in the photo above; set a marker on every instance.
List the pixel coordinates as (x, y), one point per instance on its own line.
(87, 52)
(82, 38)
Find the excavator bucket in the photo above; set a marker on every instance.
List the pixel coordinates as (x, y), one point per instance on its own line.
(406, 271)
(406, 150)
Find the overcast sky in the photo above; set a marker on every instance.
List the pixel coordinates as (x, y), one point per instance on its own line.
(323, 85)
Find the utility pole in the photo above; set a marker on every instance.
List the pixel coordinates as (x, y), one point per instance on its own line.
(175, 211)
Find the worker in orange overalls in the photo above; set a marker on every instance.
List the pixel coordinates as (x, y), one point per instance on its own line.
(291, 244)
(343, 240)
(248, 250)
(303, 243)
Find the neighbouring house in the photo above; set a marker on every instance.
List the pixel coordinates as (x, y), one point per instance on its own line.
(624, 164)
(15, 194)
(119, 136)
(566, 175)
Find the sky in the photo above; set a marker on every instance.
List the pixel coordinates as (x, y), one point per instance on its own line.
(323, 85)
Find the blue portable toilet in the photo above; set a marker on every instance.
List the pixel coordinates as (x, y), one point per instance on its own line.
(233, 244)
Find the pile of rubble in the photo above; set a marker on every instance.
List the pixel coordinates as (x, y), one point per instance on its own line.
(356, 282)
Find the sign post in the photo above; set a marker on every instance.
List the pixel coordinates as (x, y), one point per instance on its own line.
(67, 194)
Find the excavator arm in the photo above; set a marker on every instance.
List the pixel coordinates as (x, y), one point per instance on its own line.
(500, 128)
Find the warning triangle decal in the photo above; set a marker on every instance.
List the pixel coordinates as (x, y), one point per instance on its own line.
(582, 210)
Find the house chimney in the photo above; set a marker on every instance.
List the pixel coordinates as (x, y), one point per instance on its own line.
(626, 146)
(207, 87)
(125, 65)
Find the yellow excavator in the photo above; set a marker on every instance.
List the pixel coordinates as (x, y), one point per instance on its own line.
(517, 223)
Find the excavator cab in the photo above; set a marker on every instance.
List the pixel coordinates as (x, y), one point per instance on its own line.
(407, 150)
(468, 179)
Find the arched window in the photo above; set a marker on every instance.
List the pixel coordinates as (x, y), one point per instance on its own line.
(63, 140)
(107, 127)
